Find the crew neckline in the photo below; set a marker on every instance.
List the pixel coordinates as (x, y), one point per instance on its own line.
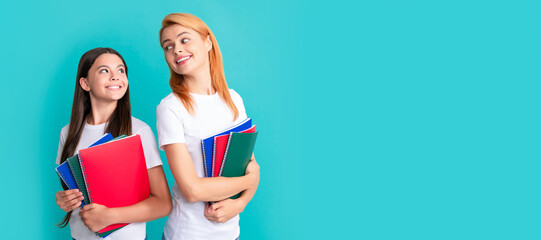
(87, 125)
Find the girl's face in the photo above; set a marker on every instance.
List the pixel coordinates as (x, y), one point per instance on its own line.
(107, 80)
(185, 51)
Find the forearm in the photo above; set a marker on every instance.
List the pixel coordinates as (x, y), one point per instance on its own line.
(195, 188)
(147, 210)
(247, 195)
(218, 188)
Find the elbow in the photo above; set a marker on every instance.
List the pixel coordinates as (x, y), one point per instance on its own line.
(167, 207)
(193, 194)
(164, 206)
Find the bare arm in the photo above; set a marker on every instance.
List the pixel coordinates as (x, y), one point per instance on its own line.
(195, 188)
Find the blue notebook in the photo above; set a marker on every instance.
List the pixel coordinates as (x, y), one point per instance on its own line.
(64, 172)
(207, 144)
(105, 138)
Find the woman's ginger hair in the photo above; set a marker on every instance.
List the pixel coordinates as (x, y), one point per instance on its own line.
(215, 62)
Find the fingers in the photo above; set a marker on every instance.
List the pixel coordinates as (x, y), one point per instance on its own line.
(69, 200)
(88, 207)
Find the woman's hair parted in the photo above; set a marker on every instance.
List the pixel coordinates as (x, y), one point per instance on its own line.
(176, 81)
(118, 124)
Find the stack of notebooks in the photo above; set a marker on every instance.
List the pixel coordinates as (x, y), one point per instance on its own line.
(228, 153)
(110, 172)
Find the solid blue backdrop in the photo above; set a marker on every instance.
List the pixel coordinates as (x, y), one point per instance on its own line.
(377, 120)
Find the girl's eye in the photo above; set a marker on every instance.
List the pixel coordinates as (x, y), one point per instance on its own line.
(167, 48)
(121, 70)
(104, 71)
(184, 40)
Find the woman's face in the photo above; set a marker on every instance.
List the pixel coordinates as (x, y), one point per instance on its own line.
(185, 51)
(106, 80)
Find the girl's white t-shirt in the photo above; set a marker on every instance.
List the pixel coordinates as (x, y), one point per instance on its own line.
(176, 125)
(90, 134)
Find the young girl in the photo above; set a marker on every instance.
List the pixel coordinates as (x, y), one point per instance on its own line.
(200, 104)
(101, 104)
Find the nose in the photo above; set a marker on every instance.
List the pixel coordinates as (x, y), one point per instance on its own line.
(115, 77)
(178, 50)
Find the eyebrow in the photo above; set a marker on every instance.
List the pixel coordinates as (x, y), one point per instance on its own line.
(177, 37)
(119, 65)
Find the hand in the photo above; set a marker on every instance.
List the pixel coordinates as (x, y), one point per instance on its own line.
(252, 167)
(224, 210)
(253, 170)
(69, 200)
(96, 216)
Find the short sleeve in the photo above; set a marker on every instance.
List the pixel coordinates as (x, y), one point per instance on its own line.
(169, 125)
(63, 135)
(239, 104)
(150, 149)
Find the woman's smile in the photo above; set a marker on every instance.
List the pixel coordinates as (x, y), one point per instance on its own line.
(183, 59)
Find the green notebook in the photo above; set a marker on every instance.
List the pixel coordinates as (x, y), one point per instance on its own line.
(238, 154)
(75, 167)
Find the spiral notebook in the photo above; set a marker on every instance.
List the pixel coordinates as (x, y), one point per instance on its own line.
(66, 174)
(220, 144)
(115, 174)
(238, 154)
(207, 144)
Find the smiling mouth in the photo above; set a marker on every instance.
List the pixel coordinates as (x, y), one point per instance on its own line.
(183, 60)
(113, 87)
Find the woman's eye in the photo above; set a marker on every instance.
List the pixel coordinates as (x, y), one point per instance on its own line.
(184, 40)
(104, 71)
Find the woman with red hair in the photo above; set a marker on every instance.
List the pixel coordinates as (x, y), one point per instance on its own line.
(200, 104)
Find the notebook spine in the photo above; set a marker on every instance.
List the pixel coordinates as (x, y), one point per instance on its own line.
(225, 153)
(204, 157)
(83, 170)
(213, 158)
(63, 177)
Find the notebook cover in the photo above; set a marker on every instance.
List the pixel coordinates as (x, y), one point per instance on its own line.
(220, 143)
(208, 143)
(105, 138)
(238, 153)
(75, 168)
(64, 172)
(115, 174)
(105, 234)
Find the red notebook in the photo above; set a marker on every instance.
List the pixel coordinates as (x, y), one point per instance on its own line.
(116, 174)
(220, 143)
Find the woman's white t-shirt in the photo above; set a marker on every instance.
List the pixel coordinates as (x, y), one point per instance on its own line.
(90, 134)
(176, 125)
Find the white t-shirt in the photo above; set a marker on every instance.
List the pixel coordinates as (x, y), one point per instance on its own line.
(176, 125)
(90, 134)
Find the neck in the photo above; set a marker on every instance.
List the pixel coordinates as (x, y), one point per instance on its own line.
(101, 111)
(200, 82)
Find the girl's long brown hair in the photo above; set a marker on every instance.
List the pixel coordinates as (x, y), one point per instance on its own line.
(119, 123)
(176, 81)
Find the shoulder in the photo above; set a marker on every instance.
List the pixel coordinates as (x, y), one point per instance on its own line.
(170, 105)
(235, 96)
(64, 131)
(138, 125)
(169, 101)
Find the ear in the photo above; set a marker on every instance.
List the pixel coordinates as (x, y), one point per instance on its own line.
(84, 84)
(208, 43)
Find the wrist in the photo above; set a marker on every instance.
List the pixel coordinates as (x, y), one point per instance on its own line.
(113, 215)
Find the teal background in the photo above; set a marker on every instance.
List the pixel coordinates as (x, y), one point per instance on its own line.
(378, 119)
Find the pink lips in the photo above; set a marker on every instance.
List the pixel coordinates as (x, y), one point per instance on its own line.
(184, 61)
